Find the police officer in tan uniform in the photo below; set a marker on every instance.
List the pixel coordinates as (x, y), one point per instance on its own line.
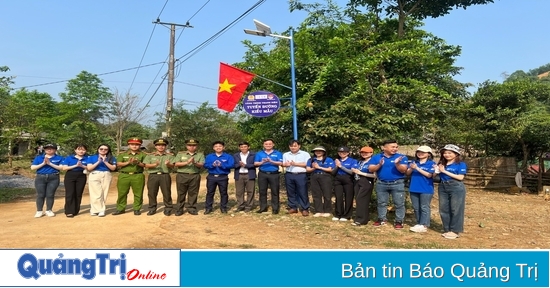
(159, 176)
(188, 164)
(130, 164)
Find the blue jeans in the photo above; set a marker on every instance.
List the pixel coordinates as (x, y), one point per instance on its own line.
(397, 191)
(421, 205)
(296, 188)
(45, 185)
(452, 199)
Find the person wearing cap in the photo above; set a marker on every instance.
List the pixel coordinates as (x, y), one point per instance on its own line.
(321, 181)
(343, 185)
(268, 162)
(219, 165)
(188, 179)
(130, 164)
(390, 168)
(47, 168)
(364, 184)
(295, 162)
(75, 179)
(159, 177)
(245, 177)
(421, 188)
(99, 167)
(451, 191)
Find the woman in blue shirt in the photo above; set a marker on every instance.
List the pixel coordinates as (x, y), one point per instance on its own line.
(100, 166)
(321, 181)
(421, 188)
(452, 192)
(364, 184)
(47, 168)
(75, 179)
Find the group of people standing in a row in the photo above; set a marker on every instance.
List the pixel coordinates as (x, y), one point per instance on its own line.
(345, 177)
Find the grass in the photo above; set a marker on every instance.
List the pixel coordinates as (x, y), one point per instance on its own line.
(10, 194)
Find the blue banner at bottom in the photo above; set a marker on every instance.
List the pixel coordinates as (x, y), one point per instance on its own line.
(360, 268)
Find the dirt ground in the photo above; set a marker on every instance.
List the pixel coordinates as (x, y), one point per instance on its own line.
(493, 220)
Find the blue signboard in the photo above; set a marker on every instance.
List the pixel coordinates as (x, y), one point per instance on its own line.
(261, 104)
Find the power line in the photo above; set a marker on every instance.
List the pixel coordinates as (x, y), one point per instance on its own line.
(146, 47)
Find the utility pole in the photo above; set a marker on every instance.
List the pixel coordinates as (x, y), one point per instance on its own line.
(171, 64)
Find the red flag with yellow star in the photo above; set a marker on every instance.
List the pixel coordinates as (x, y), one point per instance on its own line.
(233, 83)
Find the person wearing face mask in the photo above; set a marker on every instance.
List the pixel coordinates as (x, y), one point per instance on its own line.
(75, 179)
(99, 167)
(451, 191)
(47, 168)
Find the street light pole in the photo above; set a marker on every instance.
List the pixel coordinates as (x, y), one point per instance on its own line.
(264, 30)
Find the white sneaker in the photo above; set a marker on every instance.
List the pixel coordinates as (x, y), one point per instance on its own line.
(101, 214)
(327, 214)
(335, 219)
(49, 213)
(317, 214)
(342, 220)
(38, 214)
(415, 227)
(421, 229)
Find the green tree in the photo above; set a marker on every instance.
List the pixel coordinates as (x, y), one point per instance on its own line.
(414, 9)
(83, 107)
(358, 83)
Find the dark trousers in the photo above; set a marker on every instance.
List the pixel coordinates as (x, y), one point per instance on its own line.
(211, 183)
(321, 190)
(74, 188)
(188, 191)
(296, 189)
(45, 185)
(271, 180)
(363, 192)
(154, 181)
(343, 190)
(242, 185)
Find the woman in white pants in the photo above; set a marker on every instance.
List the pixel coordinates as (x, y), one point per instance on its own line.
(100, 166)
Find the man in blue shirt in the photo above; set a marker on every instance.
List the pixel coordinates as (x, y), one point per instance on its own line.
(390, 167)
(268, 161)
(219, 165)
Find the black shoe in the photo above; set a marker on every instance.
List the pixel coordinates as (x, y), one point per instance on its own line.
(240, 209)
(137, 212)
(118, 212)
(261, 211)
(193, 212)
(224, 211)
(151, 212)
(167, 212)
(207, 211)
(179, 213)
(275, 212)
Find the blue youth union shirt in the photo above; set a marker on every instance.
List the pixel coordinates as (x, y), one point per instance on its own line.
(227, 162)
(388, 172)
(72, 160)
(328, 163)
(101, 166)
(455, 168)
(421, 183)
(47, 169)
(267, 166)
(348, 164)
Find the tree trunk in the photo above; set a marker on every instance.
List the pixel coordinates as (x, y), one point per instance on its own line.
(525, 151)
(402, 17)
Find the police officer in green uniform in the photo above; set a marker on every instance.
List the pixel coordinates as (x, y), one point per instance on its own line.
(159, 176)
(188, 164)
(130, 164)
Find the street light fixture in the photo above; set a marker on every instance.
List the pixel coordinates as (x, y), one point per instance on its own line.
(264, 30)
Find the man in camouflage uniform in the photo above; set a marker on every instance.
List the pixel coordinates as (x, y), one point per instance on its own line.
(130, 164)
(188, 164)
(159, 176)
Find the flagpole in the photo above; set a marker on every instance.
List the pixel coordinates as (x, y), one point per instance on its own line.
(293, 79)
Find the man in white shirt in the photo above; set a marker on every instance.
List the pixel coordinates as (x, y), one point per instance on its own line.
(245, 177)
(296, 178)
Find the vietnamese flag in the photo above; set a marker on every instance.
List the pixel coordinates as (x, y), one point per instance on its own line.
(233, 83)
